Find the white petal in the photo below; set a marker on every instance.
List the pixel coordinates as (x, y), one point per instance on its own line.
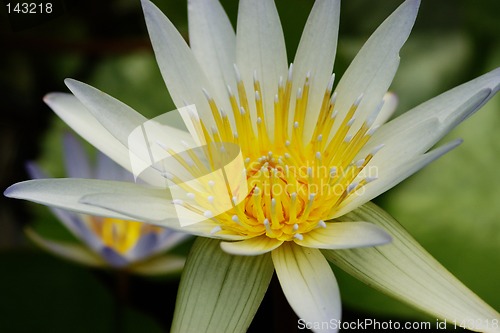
(252, 246)
(345, 235)
(166, 264)
(213, 42)
(316, 53)
(75, 158)
(140, 136)
(260, 47)
(141, 205)
(118, 118)
(308, 283)
(150, 207)
(181, 71)
(72, 111)
(449, 106)
(404, 270)
(389, 176)
(73, 252)
(70, 220)
(403, 146)
(374, 67)
(65, 193)
(220, 292)
(390, 105)
(407, 134)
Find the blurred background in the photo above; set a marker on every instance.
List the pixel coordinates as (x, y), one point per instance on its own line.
(452, 207)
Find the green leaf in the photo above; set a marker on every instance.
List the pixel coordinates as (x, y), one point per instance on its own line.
(220, 292)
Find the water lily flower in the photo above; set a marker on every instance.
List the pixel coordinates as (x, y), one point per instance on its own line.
(108, 242)
(314, 158)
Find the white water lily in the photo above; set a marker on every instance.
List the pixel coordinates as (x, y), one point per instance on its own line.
(290, 128)
(108, 242)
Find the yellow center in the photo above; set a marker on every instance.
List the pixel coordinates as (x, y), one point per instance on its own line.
(294, 185)
(120, 235)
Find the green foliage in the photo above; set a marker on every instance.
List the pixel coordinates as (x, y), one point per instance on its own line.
(49, 295)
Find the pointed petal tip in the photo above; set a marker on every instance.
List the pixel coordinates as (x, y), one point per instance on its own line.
(9, 191)
(48, 98)
(345, 235)
(15, 190)
(455, 143)
(148, 7)
(379, 236)
(385, 238)
(73, 84)
(69, 81)
(408, 9)
(445, 148)
(390, 95)
(414, 4)
(52, 98)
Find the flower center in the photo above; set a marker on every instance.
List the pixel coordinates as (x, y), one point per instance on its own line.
(120, 235)
(295, 183)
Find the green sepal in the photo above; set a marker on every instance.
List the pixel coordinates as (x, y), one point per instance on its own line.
(220, 292)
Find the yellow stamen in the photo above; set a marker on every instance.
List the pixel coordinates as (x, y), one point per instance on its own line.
(120, 235)
(295, 183)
